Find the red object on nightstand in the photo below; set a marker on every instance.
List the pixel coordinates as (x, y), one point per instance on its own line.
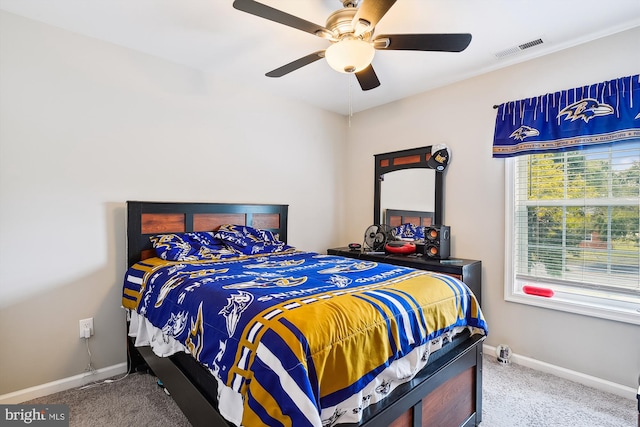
(399, 247)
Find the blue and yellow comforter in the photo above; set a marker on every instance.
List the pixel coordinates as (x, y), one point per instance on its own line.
(302, 338)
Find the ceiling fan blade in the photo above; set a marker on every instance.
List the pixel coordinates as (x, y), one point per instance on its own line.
(370, 11)
(298, 63)
(424, 42)
(367, 78)
(275, 15)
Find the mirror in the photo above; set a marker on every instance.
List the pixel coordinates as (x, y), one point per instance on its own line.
(405, 189)
(409, 180)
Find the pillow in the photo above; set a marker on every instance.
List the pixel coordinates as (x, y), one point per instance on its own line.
(249, 240)
(188, 246)
(408, 231)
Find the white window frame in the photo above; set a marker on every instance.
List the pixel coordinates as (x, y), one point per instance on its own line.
(622, 310)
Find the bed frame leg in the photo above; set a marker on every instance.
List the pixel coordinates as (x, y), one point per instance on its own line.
(135, 361)
(479, 354)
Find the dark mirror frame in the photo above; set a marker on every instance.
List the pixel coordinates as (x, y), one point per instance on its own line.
(406, 159)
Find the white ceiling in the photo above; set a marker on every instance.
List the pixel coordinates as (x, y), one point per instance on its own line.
(212, 36)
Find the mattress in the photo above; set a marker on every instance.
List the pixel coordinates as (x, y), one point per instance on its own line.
(298, 338)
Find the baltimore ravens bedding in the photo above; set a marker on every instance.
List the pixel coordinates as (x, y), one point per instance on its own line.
(297, 338)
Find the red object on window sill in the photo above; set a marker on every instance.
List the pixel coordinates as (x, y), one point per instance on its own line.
(536, 290)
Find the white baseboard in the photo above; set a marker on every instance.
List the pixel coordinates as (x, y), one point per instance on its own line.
(76, 381)
(568, 374)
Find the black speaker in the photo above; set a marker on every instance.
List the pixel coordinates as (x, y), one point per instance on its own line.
(436, 241)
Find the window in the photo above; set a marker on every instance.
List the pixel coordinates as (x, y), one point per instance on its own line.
(573, 226)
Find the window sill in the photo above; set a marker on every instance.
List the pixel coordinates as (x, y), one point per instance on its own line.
(627, 312)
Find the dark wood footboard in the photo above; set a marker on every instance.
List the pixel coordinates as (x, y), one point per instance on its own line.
(446, 393)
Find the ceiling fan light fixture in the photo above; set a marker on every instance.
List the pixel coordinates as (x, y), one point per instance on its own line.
(350, 55)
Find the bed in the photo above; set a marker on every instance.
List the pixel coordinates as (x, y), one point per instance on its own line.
(442, 386)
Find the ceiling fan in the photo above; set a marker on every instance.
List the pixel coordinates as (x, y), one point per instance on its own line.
(350, 31)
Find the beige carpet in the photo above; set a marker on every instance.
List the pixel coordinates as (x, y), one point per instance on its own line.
(513, 396)
(134, 401)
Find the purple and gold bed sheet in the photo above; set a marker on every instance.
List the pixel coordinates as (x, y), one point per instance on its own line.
(302, 339)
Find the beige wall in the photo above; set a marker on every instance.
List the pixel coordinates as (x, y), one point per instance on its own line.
(461, 116)
(85, 126)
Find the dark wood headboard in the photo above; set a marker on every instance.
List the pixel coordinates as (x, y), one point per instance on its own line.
(144, 219)
(396, 217)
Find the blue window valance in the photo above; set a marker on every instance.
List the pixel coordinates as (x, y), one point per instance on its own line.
(572, 119)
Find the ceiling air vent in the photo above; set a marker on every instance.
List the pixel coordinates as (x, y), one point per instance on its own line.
(515, 49)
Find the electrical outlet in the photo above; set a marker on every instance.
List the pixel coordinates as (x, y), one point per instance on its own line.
(84, 325)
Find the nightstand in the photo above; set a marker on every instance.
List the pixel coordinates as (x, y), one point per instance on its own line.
(467, 270)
